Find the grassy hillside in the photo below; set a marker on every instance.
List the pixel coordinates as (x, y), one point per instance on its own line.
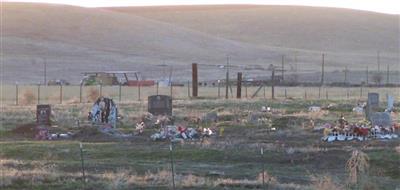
(75, 39)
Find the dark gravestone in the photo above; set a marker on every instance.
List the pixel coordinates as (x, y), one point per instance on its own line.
(372, 104)
(43, 113)
(160, 105)
(381, 119)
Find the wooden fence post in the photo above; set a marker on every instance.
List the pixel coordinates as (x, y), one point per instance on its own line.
(239, 86)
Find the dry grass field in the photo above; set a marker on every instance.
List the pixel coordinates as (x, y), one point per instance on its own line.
(294, 156)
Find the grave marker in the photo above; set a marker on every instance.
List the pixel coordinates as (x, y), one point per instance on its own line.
(160, 105)
(43, 113)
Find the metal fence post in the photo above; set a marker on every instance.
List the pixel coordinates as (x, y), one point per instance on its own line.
(139, 91)
(101, 90)
(219, 88)
(38, 93)
(16, 93)
(326, 94)
(171, 89)
(80, 93)
(172, 165)
(285, 93)
(61, 93)
(263, 168)
(82, 163)
(157, 88)
(305, 94)
(120, 92)
(188, 89)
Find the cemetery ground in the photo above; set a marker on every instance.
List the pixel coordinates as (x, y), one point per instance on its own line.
(294, 155)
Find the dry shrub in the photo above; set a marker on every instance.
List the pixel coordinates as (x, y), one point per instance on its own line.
(92, 94)
(73, 100)
(267, 178)
(324, 183)
(397, 149)
(357, 165)
(28, 97)
(192, 181)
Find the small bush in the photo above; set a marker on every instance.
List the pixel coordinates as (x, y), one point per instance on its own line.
(92, 94)
(28, 97)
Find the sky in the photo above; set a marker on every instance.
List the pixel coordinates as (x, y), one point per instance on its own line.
(382, 6)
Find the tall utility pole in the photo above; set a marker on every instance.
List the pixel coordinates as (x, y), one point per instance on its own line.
(227, 78)
(323, 69)
(378, 57)
(283, 66)
(45, 72)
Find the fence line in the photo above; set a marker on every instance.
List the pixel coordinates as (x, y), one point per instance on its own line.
(32, 94)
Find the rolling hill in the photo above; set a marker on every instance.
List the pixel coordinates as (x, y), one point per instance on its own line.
(75, 39)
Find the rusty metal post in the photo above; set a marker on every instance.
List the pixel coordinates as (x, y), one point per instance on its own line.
(194, 80)
(239, 86)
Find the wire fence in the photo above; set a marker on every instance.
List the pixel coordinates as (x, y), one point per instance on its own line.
(39, 94)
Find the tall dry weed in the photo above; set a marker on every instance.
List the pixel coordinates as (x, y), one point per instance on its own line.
(357, 165)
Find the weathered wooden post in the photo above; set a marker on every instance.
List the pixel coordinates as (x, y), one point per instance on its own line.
(194, 80)
(239, 86)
